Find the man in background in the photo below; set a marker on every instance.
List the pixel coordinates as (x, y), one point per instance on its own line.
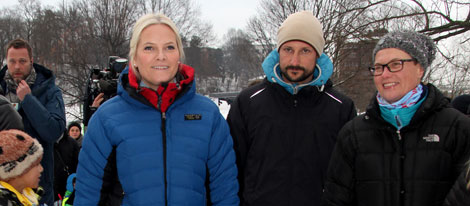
(32, 91)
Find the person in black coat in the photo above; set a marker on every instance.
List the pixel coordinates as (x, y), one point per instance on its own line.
(74, 130)
(462, 103)
(459, 195)
(66, 151)
(409, 147)
(9, 117)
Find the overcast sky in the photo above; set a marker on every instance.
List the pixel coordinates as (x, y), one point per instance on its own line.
(223, 14)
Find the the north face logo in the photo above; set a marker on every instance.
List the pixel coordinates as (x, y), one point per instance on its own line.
(431, 138)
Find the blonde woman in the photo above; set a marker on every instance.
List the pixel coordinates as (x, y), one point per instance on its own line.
(168, 143)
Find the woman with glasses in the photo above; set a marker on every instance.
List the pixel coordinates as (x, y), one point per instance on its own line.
(409, 147)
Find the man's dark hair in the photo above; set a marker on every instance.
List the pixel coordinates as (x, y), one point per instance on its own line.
(18, 44)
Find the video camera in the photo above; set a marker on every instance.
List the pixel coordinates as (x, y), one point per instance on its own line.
(103, 81)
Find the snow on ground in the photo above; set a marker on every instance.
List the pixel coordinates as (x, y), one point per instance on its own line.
(224, 107)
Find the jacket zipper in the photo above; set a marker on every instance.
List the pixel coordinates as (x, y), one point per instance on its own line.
(164, 155)
(163, 129)
(402, 163)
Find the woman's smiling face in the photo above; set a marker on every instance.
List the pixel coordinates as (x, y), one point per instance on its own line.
(157, 55)
(392, 86)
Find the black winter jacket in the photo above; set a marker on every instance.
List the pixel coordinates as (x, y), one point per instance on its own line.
(9, 117)
(459, 195)
(65, 163)
(283, 142)
(374, 164)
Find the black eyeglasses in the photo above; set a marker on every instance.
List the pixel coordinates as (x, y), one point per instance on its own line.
(393, 66)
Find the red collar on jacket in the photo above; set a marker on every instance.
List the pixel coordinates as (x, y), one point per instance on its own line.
(165, 94)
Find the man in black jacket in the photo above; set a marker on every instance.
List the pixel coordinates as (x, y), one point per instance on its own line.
(409, 146)
(285, 128)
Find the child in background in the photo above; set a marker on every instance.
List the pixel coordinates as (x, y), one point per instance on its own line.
(70, 193)
(20, 168)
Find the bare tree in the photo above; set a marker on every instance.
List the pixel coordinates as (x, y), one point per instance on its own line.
(80, 36)
(46, 38)
(241, 59)
(110, 22)
(29, 9)
(78, 56)
(187, 16)
(347, 22)
(352, 20)
(452, 72)
(91, 31)
(11, 27)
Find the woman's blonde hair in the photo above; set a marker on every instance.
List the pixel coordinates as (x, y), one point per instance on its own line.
(148, 20)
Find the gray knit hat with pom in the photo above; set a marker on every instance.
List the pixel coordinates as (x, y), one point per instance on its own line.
(417, 45)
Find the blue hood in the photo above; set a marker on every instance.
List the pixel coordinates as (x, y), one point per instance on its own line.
(70, 182)
(323, 71)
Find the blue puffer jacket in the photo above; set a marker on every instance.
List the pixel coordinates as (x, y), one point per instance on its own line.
(198, 145)
(43, 115)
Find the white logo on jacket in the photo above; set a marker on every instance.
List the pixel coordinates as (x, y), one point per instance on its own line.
(431, 138)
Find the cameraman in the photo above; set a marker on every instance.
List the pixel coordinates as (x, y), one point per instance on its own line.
(89, 110)
(102, 85)
(98, 100)
(96, 103)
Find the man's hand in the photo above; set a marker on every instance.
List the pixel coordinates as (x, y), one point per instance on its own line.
(22, 90)
(97, 101)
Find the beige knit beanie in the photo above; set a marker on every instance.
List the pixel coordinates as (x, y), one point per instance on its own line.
(302, 26)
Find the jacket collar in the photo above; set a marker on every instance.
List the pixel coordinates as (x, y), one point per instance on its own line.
(323, 71)
(166, 94)
(434, 101)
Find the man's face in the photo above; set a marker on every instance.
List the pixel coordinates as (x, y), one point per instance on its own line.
(297, 60)
(19, 63)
